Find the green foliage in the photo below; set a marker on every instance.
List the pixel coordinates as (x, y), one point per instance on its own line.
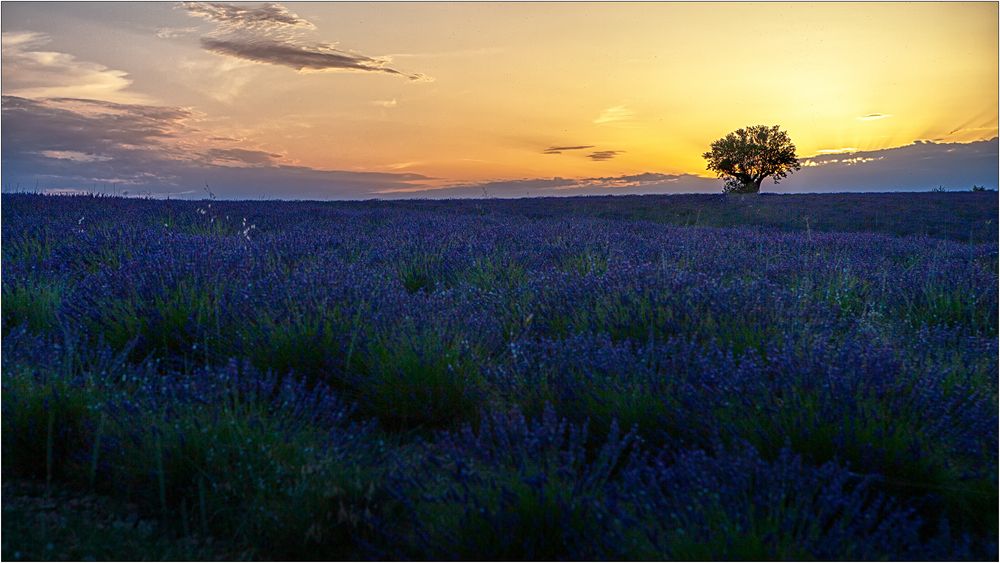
(642, 318)
(534, 522)
(637, 406)
(185, 316)
(240, 468)
(35, 303)
(183, 322)
(29, 248)
(419, 377)
(120, 322)
(519, 497)
(238, 472)
(753, 544)
(872, 435)
(850, 295)
(313, 342)
(495, 273)
(112, 255)
(45, 420)
(420, 272)
(604, 400)
(746, 156)
(53, 524)
(955, 307)
(590, 261)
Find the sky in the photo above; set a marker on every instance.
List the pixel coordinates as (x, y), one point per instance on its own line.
(360, 100)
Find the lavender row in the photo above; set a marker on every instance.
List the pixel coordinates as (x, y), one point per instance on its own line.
(426, 379)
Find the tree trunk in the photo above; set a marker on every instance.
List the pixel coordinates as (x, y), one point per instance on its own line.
(752, 186)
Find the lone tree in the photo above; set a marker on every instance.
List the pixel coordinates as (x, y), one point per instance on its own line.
(746, 156)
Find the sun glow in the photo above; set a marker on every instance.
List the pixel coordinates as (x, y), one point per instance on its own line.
(480, 91)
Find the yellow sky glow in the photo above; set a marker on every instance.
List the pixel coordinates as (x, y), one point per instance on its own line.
(651, 84)
(659, 82)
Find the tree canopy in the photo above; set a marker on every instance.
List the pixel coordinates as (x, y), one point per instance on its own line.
(746, 156)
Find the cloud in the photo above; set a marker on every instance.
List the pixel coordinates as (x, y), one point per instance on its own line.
(89, 126)
(75, 156)
(300, 57)
(74, 144)
(402, 165)
(916, 167)
(271, 34)
(921, 165)
(595, 155)
(615, 114)
(263, 17)
(603, 155)
(217, 78)
(645, 183)
(172, 32)
(837, 151)
(240, 157)
(385, 103)
(560, 150)
(30, 71)
(874, 116)
(22, 39)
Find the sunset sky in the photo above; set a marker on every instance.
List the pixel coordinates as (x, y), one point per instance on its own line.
(331, 100)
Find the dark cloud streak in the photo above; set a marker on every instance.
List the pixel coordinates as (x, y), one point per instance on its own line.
(241, 156)
(271, 34)
(603, 155)
(299, 57)
(559, 150)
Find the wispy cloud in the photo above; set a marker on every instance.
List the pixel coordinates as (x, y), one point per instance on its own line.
(841, 150)
(874, 116)
(75, 156)
(603, 155)
(385, 103)
(271, 34)
(221, 79)
(33, 72)
(615, 114)
(403, 165)
(173, 32)
(560, 150)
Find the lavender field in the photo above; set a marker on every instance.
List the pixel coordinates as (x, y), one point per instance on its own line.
(668, 377)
